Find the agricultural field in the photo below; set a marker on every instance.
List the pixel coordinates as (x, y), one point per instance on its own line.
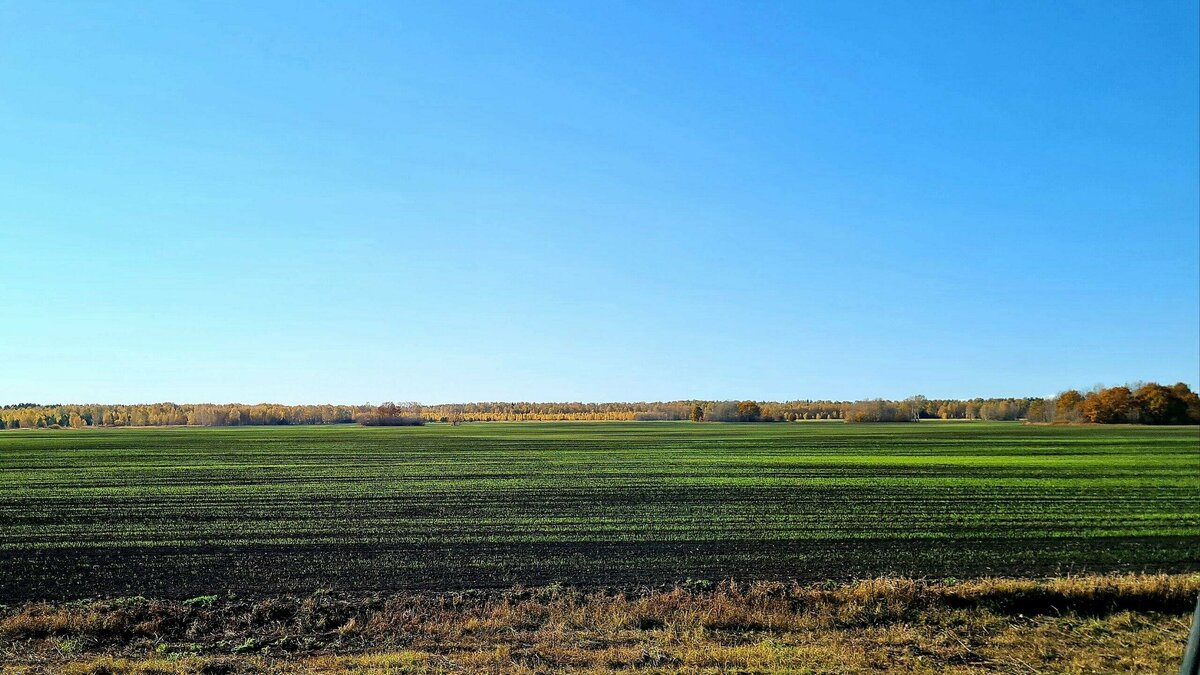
(259, 511)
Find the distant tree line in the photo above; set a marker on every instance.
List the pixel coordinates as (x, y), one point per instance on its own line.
(1149, 403)
(26, 415)
(1144, 403)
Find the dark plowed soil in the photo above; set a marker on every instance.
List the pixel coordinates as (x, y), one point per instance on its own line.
(260, 571)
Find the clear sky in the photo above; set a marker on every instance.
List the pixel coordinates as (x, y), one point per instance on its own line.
(351, 202)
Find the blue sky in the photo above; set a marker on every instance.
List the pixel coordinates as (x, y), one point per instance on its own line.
(349, 202)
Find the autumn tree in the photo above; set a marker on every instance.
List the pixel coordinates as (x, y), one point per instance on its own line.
(1159, 404)
(389, 414)
(1040, 410)
(1066, 407)
(875, 410)
(914, 406)
(1191, 402)
(1107, 406)
(749, 411)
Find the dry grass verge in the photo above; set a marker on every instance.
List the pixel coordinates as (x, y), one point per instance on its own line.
(1114, 623)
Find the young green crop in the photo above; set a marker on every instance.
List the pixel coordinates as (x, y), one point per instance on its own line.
(186, 511)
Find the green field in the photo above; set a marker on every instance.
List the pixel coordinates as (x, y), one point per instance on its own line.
(181, 511)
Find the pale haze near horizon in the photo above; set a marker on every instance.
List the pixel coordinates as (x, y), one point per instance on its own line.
(299, 203)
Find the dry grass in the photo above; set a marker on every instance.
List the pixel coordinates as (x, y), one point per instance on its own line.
(1126, 623)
